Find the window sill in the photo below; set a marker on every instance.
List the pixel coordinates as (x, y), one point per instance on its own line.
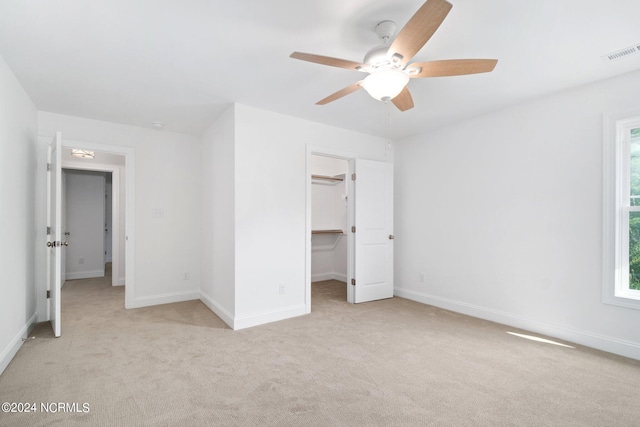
(621, 301)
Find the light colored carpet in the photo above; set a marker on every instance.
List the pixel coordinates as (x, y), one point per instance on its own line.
(386, 363)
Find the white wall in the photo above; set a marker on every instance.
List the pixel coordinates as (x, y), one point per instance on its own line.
(85, 219)
(328, 205)
(18, 136)
(167, 179)
(270, 207)
(503, 214)
(258, 215)
(218, 216)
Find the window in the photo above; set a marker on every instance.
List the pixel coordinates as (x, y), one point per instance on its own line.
(621, 214)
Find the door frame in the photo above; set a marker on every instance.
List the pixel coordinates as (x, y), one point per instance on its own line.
(54, 233)
(115, 208)
(350, 158)
(63, 226)
(130, 229)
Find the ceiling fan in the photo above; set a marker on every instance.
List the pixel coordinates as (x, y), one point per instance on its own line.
(387, 66)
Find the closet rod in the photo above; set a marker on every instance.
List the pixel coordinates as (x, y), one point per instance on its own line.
(327, 232)
(326, 178)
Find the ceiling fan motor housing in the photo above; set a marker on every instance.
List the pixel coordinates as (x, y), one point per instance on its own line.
(378, 57)
(385, 30)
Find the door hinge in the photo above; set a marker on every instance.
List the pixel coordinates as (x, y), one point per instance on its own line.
(48, 166)
(353, 282)
(48, 294)
(353, 177)
(353, 228)
(48, 230)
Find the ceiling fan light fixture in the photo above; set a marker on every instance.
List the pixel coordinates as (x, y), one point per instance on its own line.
(385, 84)
(83, 154)
(387, 62)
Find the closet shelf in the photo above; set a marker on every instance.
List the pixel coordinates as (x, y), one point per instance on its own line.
(327, 179)
(327, 232)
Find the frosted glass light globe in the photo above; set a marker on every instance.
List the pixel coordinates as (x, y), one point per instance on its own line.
(385, 84)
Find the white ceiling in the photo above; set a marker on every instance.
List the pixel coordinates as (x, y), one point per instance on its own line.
(182, 62)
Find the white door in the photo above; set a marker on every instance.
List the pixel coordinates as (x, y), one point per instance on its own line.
(55, 233)
(374, 230)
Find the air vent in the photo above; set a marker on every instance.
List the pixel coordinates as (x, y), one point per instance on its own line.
(612, 56)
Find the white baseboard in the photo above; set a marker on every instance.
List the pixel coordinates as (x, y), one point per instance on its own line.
(321, 277)
(339, 276)
(272, 316)
(84, 274)
(14, 345)
(165, 298)
(236, 323)
(328, 276)
(217, 309)
(586, 338)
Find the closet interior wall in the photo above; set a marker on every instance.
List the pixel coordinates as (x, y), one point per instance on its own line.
(328, 218)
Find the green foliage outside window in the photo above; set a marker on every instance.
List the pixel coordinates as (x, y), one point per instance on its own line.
(634, 253)
(634, 218)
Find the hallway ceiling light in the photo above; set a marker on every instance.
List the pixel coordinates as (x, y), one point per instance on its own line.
(83, 154)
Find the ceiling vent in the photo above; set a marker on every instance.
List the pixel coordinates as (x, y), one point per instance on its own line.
(612, 56)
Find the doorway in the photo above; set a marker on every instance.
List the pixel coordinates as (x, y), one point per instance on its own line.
(365, 223)
(120, 162)
(87, 213)
(104, 174)
(329, 224)
(49, 256)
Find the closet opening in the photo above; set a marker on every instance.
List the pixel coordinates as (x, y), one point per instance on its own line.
(330, 227)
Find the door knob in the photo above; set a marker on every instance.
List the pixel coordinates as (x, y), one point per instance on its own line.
(391, 237)
(51, 244)
(65, 243)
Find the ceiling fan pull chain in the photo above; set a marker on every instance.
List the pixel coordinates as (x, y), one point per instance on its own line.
(386, 121)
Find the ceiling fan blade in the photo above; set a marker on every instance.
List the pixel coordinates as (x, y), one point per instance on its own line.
(403, 101)
(327, 60)
(339, 94)
(419, 29)
(452, 67)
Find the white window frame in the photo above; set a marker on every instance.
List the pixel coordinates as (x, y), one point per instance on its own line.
(616, 209)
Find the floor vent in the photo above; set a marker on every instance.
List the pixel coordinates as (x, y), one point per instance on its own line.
(612, 56)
